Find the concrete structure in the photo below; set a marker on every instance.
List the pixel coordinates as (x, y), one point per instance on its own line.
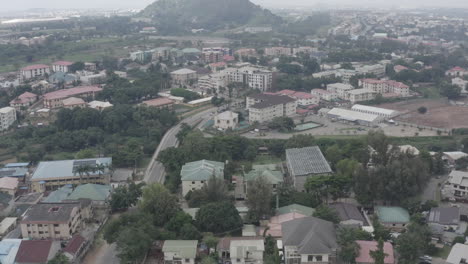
(385, 87)
(61, 66)
(444, 217)
(457, 184)
(55, 221)
(33, 71)
(8, 250)
(212, 82)
(340, 89)
(73, 102)
(247, 251)
(456, 72)
(255, 77)
(7, 225)
(226, 120)
(324, 94)
(19, 173)
(211, 56)
(99, 105)
(195, 175)
(91, 78)
(183, 76)
(75, 248)
(278, 51)
(366, 247)
(36, 251)
(463, 84)
(50, 175)
(55, 99)
(302, 98)
(7, 117)
(160, 103)
(348, 214)
(458, 254)
(180, 251)
(394, 218)
(309, 240)
(359, 95)
(265, 107)
(385, 113)
(9, 185)
(354, 117)
(451, 157)
(305, 162)
(200, 102)
(24, 100)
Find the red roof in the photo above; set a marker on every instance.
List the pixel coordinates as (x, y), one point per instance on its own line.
(228, 58)
(456, 69)
(400, 68)
(23, 98)
(367, 246)
(27, 95)
(64, 93)
(35, 67)
(218, 64)
(33, 251)
(74, 244)
(303, 95)
(158, 102)
(301, 111)
(373, 81)
(63, 63)
(286, 92)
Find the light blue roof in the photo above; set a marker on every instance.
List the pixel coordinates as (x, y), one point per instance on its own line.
(94, 192)
(17, 165)
(202, 170)
(392, 214)
(64, 168)
(8, 250)
(13, 172)
(59, 195)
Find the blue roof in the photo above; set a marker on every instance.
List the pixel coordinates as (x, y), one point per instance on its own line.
(66, 168)
(13, 172)
(59, 195)
(17, 165)
(8, 250)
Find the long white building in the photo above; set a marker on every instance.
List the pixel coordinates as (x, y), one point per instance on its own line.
(351, 116)
(385, 113)
(7, 117)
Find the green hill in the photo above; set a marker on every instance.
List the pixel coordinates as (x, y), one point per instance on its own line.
(184, 15)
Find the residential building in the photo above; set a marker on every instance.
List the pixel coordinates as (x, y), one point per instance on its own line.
(72, 102)
(394, 218)
(75, 248)
(324, 94)
(9, 185)
(457, 184)
(265, 107)
(309, 240)
(340, 89)
(270, 172)
(36, 251)
(99, 105)
(305, 162)
(161, 53)
(456, 72)
(9, 250)
(444, 217)
(223, 50)
(7, 117)
(278, 51)
(245, 52)
(54, 220)
(195, 175)
(376, 69)
(349, 214)
(98, 193)
(451, 157)
(463, 84)
(385, 113)
(295, 208)
(7, 225)
(180, 251)
(366, 247)
(33, 71)
(50, 175)
(248, 251)
(91, 78)
(211, 56)
(305, 50)
(160, 103)
(213, 82)
(183, 76)
(55, 99)
(26, 99)
(359, 95)
(302, 98)
(63, 78)
(385, 87)
(90, 66)
(458, 254)
(226, 120)
(140, 56)
(274, 226)
(255, 77)
(61, 66)
(59, 195)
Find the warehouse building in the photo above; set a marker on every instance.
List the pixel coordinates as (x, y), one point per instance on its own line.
(385, 113)
(350, 116)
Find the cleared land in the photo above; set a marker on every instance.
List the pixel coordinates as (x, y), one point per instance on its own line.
(440, 114)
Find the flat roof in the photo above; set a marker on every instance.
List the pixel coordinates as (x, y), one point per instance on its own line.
(66, 168)
(50, 213)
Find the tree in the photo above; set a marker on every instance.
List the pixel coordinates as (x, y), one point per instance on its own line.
(271, 254)
(413, 243)
(326, 213)
(213, 191)
(380, 232)
(77, 66)
(379, 255)
(60, 258)
(259, 194)
(347, 240)
(134, 242)
(282, 123)
(85, 154)
(189, 232)
(422, 110)
(318, 186)
(221, 217)
(158, 202)
(450, 91)
(210, 240)
(124, 197)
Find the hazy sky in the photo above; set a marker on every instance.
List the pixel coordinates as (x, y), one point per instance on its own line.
(25, 4)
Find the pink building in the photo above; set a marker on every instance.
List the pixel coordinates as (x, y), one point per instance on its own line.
(24, 100)
(55, 99)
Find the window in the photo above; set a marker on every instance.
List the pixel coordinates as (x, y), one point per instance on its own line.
(39, 225)
(187, 260)
(318, 258)
(193, 182)
(57, 232)
(56, 225)
(310, 258)
(40, 232)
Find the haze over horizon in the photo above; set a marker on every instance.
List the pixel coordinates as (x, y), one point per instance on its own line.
(84, 4)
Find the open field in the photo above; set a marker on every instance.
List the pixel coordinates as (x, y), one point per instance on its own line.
(440, 114)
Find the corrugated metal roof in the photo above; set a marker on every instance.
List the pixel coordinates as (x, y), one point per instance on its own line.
(94, 192)
(202, 170)
(306, 161)
(65, 168)
(392, 214)
(184, 248)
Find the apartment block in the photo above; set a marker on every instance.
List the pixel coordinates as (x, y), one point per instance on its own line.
(265, 107)
(61, 66)
(7, 117)
(33, 71)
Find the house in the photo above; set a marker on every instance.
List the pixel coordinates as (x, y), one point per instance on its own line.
(324, 94)
(274, 226)
(445, 217)
(7, 117)
(394, 218)
(270, 172)
(98, 193)
(458, 254)
(9, 250)
(59, 195)
(309, 240)
(26, 99)
(73, 102)
(247, 251)
(75, 248)
(302, 98)
(62, 77)
(354, 117)
(452, 157)
(91, 78)
(224, 247)
(61, 66)
(456, 72)
(160, 103)
(265, 107)
(340, 89)
(55, 99)
(295, 208)
(254, 77)
(33, 71)
(349, 214)
(457, 184)
(365, 249)
(9, 185)
(183, 76)
(180, 251)
(212, 83)
(305, 162)
(226, 120)
(50, 175)
(52, 220)
(195, 174)
(385, 113)
(7, 225)
(463, 84)
(99, 105)
(19, 173)
(36, 251)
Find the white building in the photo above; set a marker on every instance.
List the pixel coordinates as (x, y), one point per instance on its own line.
(340, 89)
(265, 107)
(226, 120)
(61, 66)
(457, 184)
(91, 78)
(254, 77)
(278, 51)
(194, 175)
(376, 69)
(456, 72)
(7, 117)
(34, 71)
(249, 251)
(458, 254)
(324, 94)
(183, 76)
(385, 113)
(180, 251)
(463, 84)
(213, 82)
(302, 98)
(385, 87)
(351, 116)
(359, 95)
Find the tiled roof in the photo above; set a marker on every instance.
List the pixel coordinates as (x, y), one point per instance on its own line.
(269, 172)
(9, 183)
(74, 244)
(306, 161)
(73, 101)
(35, 67)
(59, 195)
(34, 251)
(268, 100)
(348, 211)
(158, 102)
(444, 215)
(202, 170)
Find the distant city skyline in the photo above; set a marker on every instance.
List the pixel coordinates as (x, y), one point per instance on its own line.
(85, 4)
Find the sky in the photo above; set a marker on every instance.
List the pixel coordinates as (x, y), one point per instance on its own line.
(8, 5)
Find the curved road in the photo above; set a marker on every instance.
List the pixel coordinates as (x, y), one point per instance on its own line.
(155, 171)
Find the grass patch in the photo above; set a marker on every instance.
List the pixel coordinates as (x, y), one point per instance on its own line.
(430, 92)
(442, 252)
(266, 159)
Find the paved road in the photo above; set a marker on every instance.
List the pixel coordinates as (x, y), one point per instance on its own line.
(155, 171)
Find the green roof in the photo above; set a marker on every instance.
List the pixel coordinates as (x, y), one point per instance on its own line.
(59, 195)
(202, 170)
(392, 214)
(269, 171)
(94, 192)
(183, 248)
(295, 208)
